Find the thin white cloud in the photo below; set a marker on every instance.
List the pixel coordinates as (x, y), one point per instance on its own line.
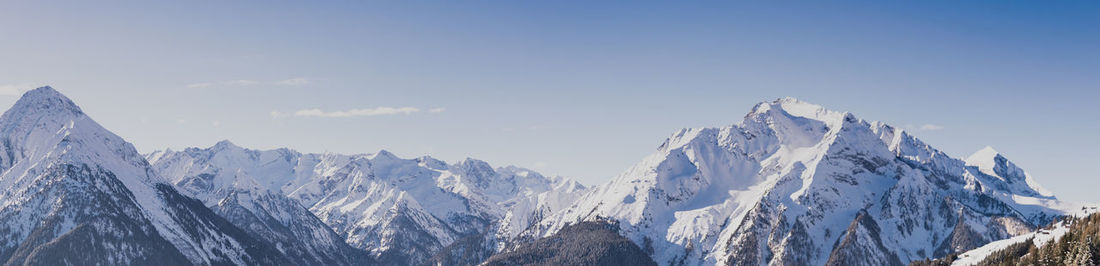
(16, 89)
(293, 82)
(930, 127)
(199, 85)
(437, 110)
(356, 112)
(242, 82)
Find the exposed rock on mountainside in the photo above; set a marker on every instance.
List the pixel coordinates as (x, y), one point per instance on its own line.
(1070, 241)
(74, 193)
(402, 211)
(791, 184)
(796, 184)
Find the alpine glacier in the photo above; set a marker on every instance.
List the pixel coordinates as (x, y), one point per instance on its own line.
(796, 184)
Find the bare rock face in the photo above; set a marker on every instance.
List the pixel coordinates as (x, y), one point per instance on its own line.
(861, 245)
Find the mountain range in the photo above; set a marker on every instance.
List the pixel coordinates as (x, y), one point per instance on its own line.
(790, 184)
(796, 184)
(401, 211)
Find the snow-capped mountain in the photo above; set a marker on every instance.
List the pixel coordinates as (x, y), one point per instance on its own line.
(403, 211)
(77, 194)
(262, 210)
(791, 184)
(796, 184)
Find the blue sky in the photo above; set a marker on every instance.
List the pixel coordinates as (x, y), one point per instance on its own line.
(569, 88)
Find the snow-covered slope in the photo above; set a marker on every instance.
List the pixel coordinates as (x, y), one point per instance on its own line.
(74, 193)
(261, 209)
(1040, 237)
(402, 211)
(796, 184)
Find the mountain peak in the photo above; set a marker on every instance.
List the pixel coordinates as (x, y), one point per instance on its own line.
(987, 151)
(789, 99)
(792, 103)
(993, 163)
(474, 163)
(984, 158)
(386, 155)
(44, 100)
(476, 167)
(789, 106)
(44, 90)
(225, 143)
(430, 162)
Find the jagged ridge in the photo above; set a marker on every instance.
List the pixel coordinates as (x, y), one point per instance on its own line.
(786, 185)
(403, 211)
